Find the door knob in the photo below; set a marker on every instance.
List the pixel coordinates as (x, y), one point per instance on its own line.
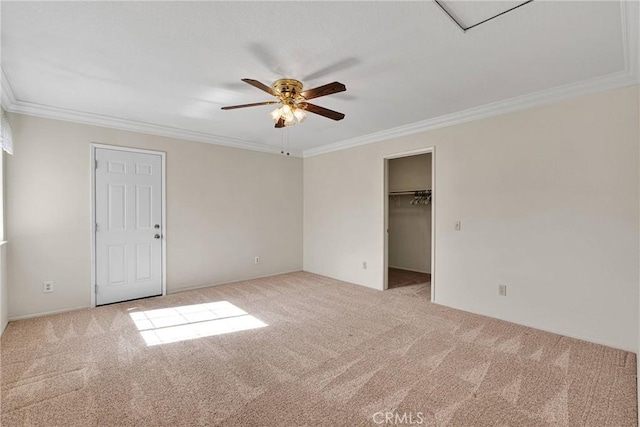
(157, 226)
(157, 236)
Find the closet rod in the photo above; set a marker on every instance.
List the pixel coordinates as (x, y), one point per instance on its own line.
(413, 193)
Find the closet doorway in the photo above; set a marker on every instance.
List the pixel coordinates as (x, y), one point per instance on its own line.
(409, 239)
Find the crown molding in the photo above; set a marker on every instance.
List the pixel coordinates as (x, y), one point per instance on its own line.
(48, 112)
(600, 84)
(630, 16)
(12, 105)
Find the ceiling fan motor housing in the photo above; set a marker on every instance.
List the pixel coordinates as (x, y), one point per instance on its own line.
(289, 88)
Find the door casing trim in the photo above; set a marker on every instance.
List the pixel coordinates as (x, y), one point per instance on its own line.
(92, 209)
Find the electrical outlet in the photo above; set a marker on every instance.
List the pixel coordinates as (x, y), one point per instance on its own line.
(364, 265)
(502, 290)
(256, 261)
(47, 286)
(458, 226)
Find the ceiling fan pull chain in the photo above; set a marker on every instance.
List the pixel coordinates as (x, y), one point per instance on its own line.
(287, 141)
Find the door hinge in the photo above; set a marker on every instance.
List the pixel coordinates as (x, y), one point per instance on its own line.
(96, 165)
(96, 229)
(96, 288)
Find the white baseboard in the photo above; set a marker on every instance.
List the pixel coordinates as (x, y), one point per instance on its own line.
(47, 313)
(541, 328)
(64, 310)
(409, 269)
(192, 288)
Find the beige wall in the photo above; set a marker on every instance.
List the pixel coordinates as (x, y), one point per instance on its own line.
(224, 207)
(410, 173)
(409, 235)
(549, 204)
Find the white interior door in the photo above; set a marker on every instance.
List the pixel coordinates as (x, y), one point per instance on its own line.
(128, 233)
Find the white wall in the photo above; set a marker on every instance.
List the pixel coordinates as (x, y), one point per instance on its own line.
(409, 225)
(224, 207)
(549, 204)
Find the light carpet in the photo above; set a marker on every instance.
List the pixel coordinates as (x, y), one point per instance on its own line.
(307, 351)
(422, 290)
(398, 278)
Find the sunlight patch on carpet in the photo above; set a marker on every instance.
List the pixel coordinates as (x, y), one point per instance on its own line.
(173, 324)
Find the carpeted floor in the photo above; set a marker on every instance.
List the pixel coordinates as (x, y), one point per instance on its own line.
(423, 290)
(410, 283)
(398, 278)
(306, 351)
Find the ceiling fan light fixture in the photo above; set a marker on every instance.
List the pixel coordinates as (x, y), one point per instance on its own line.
(290, 115)
(300, 114)
(287, 114)
(290, 121)
(275, 114)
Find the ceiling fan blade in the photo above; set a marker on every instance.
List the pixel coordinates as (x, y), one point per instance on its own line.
(280, 123)
(334, 115)
(261, 86)
(255, 104)
(324, 90)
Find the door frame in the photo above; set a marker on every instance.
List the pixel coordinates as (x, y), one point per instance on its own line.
(92, 224)
(385, 210)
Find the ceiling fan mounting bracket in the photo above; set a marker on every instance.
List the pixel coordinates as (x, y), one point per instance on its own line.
(289, 88)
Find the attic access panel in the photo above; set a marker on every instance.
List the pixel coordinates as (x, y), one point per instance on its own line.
(468, 14)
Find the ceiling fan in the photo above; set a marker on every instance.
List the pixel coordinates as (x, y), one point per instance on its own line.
(293, 100)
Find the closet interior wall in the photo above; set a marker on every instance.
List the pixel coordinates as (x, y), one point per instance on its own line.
(409, 224)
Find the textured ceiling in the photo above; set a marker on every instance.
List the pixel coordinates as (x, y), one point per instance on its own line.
(174, 64)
